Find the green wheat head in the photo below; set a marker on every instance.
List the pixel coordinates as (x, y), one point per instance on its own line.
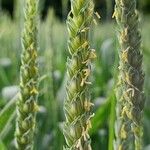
(26, 105)
(129, 92)
(77, 104)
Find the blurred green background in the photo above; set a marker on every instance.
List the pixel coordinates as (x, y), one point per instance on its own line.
(101, 6)
(52, 67)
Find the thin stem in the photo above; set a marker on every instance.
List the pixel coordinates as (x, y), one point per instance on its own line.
(112, 118)
(109, 9)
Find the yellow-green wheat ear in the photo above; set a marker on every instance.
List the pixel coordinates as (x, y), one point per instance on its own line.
(77, 105)
(26, 105)
(129, 91)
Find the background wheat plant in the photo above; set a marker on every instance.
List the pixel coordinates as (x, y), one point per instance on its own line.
(53, 75)
(77, 105)
(130, 95)
(26, 105)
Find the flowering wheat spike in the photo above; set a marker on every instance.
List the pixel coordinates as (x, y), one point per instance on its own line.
(129, 92)
(77, 105)
(26, 105)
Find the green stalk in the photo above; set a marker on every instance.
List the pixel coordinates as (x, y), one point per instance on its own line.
(19, 20)
(64, 8)
(52, 103)
(129, 92)
(77, 105)
(26, 105)
(109, 8)
(18, 13)
(112, 122)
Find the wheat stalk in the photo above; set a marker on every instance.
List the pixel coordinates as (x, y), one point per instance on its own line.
(129, 90)
(26, 105)
(77, 104)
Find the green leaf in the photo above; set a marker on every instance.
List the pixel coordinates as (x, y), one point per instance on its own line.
(4, 78)
(147, 113)
(2, 146)
(7, 114)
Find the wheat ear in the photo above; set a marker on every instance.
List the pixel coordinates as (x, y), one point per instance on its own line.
(129, 92)
(77, 104)
(26, 105)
